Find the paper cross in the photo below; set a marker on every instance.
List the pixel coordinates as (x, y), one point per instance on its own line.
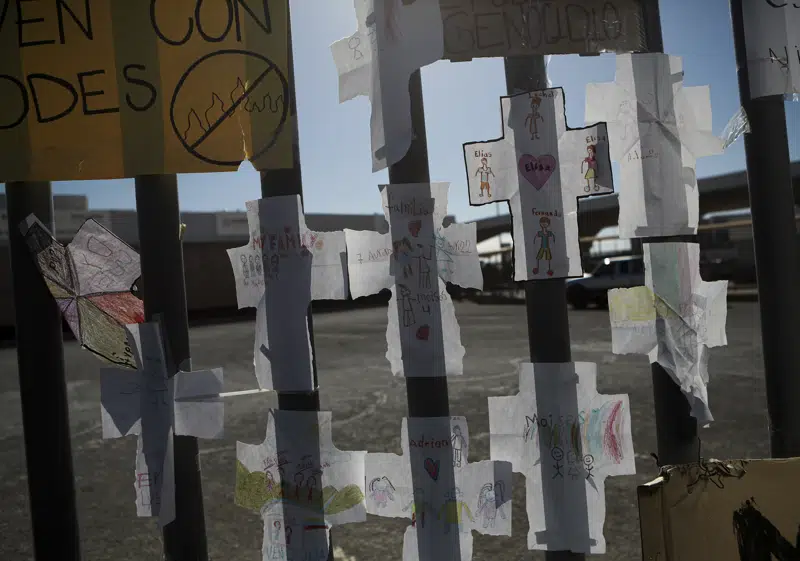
(283, 268)
(772, 37)
(91, 281)
(301, 484)
(565, 438)
(153, 405)
(673, 319)
(434, 484)
(658, 129)
(414, 260)
(540, 166)
(395, 38)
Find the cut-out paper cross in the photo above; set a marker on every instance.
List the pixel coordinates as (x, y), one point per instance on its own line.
(395, 38)
(301, 484)
(283, 268)
(565, 438)
(540, 166)
(91, 281)
(673, 319)
(658, 129)
(434, 484)
(150, 403)
(414, 260)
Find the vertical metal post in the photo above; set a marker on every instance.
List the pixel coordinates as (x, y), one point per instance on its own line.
(42, 385)
(548, 341)
(164, 292)
(426, 397)
(676, 430)
(775, 238)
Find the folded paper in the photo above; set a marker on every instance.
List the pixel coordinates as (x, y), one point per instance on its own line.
(91, 281)
(657, 129)
(540, 166)
(301, 485)
(565, 438)
(435, 485)
(283, 268)
(153, 405)
(414, 260)
(395, 38)
(673, 319)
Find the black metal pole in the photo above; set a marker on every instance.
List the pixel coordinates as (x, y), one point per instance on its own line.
(772, 202)
(548, 341)
(426, 397)
(164, 292)
(676, 430)
(42, 385)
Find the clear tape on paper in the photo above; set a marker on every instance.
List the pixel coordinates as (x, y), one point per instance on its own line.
(738, 125)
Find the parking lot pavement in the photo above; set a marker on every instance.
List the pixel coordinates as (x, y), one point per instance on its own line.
(368, 405)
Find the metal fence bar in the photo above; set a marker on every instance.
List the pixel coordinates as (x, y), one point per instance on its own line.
(676, 430)
(776, 251)
(42, 386)
(548, 341)
(163, 287)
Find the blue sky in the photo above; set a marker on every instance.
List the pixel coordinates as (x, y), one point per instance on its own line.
(462, 105)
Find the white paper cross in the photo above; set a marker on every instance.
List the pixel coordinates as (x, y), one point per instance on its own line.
(395, 38)
(283, 268)
(149, 403)
(673, 319)
(444, 495)
(772, 35)
(414, 260)
(540, 166)
(565, 438)
(658, 129)
(301, 484)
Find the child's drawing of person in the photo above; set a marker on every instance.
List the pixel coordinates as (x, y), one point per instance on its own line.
(381, 491)
(453, 510)
(545, 235)
(485, 171)
(533, 118)
(590, 163)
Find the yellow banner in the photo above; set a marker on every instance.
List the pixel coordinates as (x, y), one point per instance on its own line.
(105, 89)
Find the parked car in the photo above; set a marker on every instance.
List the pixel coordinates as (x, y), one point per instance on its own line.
(613, 272)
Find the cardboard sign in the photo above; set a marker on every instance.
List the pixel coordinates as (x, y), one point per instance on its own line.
(737, 510)
(500, 28)
(103, 90)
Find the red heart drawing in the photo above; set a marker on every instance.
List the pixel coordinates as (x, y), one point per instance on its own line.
(537, 170)
(432, 468)
(414, 227)
(424, 332)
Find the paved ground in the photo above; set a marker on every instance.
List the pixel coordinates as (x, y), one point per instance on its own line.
(368, 406)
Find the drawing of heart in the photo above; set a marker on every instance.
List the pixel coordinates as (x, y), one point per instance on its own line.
(432, 468)
(424, 332)
(414, 227)
(537, 170)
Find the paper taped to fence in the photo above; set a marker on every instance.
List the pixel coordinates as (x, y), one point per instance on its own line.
(658, 129)
(104, 90)
(435, 485)
(540, 166)
(566, 439)
(279, 272)
(673, 319)
(150, 403)
(772, 35)
(300, 483)
(415, 259)
(90, 280)
(737, 510)
(395, 38)
(488, 28)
